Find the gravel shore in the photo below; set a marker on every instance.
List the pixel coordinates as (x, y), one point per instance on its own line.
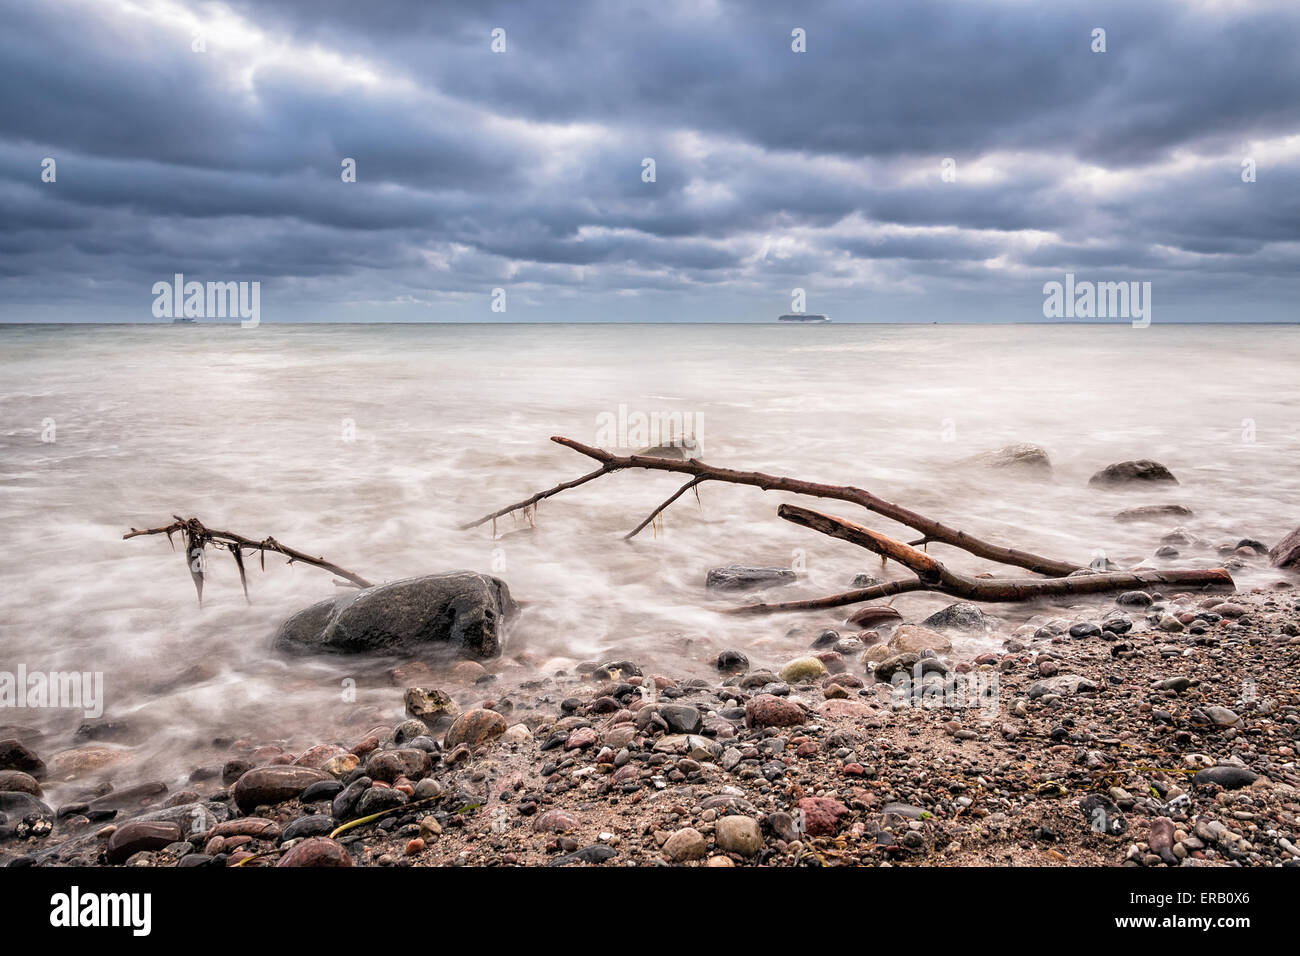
(1151, 730)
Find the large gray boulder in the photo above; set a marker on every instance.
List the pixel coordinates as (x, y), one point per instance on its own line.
(462, 610)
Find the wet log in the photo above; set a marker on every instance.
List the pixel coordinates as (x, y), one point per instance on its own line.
(933, 575)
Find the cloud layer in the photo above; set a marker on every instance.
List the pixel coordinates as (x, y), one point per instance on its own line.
(774, 169)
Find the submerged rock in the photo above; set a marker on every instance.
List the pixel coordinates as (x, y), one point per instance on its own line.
(736, 577)
(961, 616)
(462, 609)
(1022, 459)
(14, 756)
(1130, 472)
(1154, 513)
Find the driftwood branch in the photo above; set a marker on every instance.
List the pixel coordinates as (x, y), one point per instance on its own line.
(196, 537)
(669, 500)
(933, 575)
(930, 529)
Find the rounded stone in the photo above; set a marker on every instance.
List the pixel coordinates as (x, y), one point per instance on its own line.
(316, 851)
(737, 834)
(475, 727)
(686, 844)
(266, 786)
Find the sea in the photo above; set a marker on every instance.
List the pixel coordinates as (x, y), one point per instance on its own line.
(371, 445)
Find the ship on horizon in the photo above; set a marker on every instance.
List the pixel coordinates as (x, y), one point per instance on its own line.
(803, 317)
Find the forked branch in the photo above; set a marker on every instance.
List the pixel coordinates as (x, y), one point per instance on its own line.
(197, 537)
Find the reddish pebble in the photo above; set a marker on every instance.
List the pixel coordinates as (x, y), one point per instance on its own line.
(414, 847)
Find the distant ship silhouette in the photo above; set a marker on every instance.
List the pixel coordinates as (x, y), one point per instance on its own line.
(803, 317)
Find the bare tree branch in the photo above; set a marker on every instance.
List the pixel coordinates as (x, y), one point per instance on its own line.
(196, 537)
(931, 529)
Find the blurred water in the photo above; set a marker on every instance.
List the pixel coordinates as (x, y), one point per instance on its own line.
(245, 429)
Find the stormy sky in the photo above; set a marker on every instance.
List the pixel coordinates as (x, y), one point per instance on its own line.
(208, 139)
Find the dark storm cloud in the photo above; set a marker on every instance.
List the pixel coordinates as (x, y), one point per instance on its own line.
(774, 169)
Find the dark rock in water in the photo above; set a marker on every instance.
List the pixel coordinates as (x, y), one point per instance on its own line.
(111, 730)
(1134, 599)
(16, 804)
(732, 661)
(14, 756)
(1253, 545)
(679, 448)
(739, 578)
(596, 853)
(1154, 513)
(961, 616)
(127, 798)
(1129, 472)
(1230, 778)
(865, 581)
(1022, 459)
(461, 609)
(267, 786)
(1085, 629)
(827, 639)
(316, 851)
(1285, 554)
(131, 838)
